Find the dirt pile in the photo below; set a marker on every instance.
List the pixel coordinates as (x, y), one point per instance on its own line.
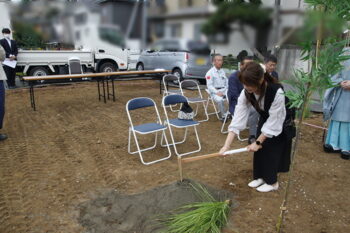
(115, 212)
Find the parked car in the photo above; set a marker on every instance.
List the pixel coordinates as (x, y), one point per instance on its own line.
(185, 58)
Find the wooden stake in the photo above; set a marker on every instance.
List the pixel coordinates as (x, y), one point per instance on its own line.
(180, 167)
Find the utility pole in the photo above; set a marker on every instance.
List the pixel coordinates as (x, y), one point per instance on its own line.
(144, 24)
(132, 20)
(276, 25)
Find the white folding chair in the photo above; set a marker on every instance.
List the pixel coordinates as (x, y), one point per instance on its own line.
(196, 98)
(210, 100)
(146, 128)
(223, 131)
(224, 123)
(179, 124)
(170, 78)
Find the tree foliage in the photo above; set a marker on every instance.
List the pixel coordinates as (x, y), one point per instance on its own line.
(323, 49)
(26, 36)
(341, 8)
(250, 13)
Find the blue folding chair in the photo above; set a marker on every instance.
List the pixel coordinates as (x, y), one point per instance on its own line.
(146, 128)
(179, 123)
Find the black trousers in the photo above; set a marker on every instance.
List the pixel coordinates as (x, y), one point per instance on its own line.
(272, 158)
(2, 102)
(11, 76)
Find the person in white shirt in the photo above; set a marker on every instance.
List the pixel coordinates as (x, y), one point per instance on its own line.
(217, 84)
(2, 92)
(272, 148)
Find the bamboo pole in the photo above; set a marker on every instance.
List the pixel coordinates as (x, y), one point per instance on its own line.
(283, 206)
(308, 93)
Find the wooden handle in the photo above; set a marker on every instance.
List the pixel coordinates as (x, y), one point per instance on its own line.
(230, 152)
(187, 160)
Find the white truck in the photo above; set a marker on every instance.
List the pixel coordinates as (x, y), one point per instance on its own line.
(99, 47)
(45, 62)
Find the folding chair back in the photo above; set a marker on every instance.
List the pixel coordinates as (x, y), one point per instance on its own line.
(140, 103)
(196, 98)
(146, 128)
(179, 123)
(210, 100)
(170, 78)
(174, 99)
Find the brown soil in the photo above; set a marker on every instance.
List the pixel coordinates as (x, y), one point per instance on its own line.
(143, 212)
(74, 149)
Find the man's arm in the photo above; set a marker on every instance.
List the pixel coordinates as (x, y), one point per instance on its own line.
(15, 48)
(235, 89)
(2, 43)
(210, 85)
(2, 54)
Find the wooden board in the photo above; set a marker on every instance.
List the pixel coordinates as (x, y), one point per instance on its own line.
(73, 76)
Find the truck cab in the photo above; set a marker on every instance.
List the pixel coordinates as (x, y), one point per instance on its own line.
(106, 41)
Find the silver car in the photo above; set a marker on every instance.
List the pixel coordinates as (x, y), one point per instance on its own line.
(185, 58)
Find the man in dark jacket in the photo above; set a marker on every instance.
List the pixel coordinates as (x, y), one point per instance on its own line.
(270, 65)
(235, 88)
(10, 47)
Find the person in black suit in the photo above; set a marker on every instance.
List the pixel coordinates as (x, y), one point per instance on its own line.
(10, 47)
(270, 65)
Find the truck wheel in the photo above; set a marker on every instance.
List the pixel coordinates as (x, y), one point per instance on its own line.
(108, 67)
(39, 71)
(177, 72)
(140, 67)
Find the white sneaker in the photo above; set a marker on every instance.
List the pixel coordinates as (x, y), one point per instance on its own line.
(267, 188)
(256, 183)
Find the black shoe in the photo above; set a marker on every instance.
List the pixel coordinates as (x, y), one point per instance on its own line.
(345, 155)
(329, 149)
(3, 137)
(251, 139)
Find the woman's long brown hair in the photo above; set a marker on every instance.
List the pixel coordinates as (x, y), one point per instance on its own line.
(251, 75)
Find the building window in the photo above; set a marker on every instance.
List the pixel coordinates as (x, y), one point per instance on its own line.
(219, 38)
(77, 35)
(175, 30)
(197, 33)
(159, 29)
(185, 3)
(80, 18)
(160, 2)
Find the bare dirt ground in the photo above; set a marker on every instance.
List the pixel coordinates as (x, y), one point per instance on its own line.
(74, 149)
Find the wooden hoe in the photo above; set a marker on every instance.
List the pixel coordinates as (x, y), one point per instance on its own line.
(192, 159)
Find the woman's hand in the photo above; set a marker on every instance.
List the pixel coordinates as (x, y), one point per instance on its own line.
(227, 144)
(223, 150)
(345, 84)
(254, 147)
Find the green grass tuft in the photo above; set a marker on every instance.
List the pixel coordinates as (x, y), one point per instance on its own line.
(208, 216)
